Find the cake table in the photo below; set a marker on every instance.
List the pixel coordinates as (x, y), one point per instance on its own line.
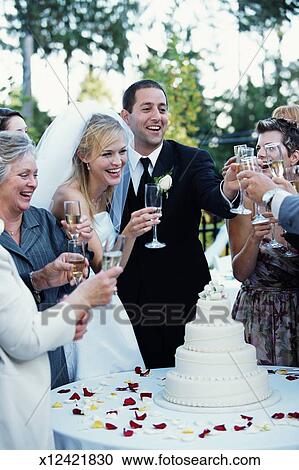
(116, 417)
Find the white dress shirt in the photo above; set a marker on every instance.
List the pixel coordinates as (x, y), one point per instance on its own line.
(136, 167)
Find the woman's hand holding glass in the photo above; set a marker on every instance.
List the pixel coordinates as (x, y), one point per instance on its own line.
(84, 230)
(141, 222)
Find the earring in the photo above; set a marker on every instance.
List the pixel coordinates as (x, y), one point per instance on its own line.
(88, 166)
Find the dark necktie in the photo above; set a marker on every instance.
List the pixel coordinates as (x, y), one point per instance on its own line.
(145, 178)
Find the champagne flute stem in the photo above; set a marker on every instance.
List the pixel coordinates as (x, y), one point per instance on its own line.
(155, 233)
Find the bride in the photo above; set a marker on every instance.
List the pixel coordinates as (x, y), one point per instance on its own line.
(83, 155)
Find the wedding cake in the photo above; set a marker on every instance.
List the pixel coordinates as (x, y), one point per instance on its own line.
(215, 367)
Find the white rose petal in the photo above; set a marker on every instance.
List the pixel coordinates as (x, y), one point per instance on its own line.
(165, 183)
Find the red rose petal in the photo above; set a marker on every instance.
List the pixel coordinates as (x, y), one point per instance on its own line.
(132, 386)
(87, 393)
(64, 390)
(204, 433)
(291, 377)
(110, 426)
(129, 402)
(145, 374)
(140, 417)
(220, 427)
(160, 426)
(295, 415)
(249, 424)
(134, 409)
(77, 411)
(138, 370)
(111, 412)
(121, 389)
(128, 432)
(145, 395)
(278, 416)
(75, 396)
(250, 418)
(135, 425)
(239, 428)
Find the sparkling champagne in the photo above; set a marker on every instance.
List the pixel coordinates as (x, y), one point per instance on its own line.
(72, 221)
(77, 270)
(277, 168)
(295, 185)
(111, 259)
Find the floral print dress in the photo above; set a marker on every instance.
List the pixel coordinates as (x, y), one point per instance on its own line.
(268, 306)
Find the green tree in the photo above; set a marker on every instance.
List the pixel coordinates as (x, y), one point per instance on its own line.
(87, 25)
(94, 88)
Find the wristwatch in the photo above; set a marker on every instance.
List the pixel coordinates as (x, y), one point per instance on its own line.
(268, 196)
(36, 293)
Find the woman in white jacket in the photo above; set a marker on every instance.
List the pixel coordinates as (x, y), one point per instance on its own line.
(25, 336)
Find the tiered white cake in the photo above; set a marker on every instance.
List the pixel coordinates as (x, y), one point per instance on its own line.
(215, 367)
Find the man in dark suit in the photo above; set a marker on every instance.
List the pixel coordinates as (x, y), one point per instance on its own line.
(159, 287)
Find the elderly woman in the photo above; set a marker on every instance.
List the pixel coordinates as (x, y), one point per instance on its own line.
(25, 336)
(11, 120)
(32, 236)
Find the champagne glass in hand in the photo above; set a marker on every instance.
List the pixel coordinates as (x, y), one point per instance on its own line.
(72, 214)
(77, 259)
(112, 255)
(239, 151)
(292, 175)
(153, 198)
(275, 159)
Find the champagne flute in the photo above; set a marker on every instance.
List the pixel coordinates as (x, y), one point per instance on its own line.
(112, 255)
(76, 258)
(275, 158)
(275, 163)
(153, 198)
(239, 152)
(72, 214)
(250, 162)
(292, 175)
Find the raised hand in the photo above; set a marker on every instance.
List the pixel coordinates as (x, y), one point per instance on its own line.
(141, 222)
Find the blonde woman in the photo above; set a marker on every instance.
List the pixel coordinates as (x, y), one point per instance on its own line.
(91, 149)
(289, 112)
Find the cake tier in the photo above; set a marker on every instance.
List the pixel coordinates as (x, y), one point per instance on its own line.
(211, 337)
(213, 392)
(216, 364)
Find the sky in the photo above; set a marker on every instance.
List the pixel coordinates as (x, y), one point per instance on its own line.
(213, 29)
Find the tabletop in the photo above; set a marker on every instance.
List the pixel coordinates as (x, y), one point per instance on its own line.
(124, 411)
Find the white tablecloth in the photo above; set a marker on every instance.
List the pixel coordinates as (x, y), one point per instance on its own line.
(183, 428)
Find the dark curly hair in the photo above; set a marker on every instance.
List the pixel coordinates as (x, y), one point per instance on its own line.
(289, 130)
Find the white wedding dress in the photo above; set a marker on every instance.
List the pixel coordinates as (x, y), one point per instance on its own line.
(109, 345)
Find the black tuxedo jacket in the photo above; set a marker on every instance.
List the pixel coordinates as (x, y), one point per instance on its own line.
(159, 287)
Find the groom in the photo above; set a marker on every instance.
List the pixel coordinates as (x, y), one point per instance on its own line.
(159, 287)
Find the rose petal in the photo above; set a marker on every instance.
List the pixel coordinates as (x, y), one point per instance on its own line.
(160, 426)
(134, 385)
(278, 416)
(249, 424)
(249, 418)
(97, 424)
(128, 432)
(140, 417)
(110, 426)
(87, 393)
(204, 433)
(129, 401)
(145, 374)
(220, 427)
(75, 396)
(64, 390)
(112, 412)
(135, 425)
(57, 404)
(121, 389)
(77, 411)
(291, 377)
(145, 395)
(138, 370)
(239, 428)
(295, 415)
(134, 409)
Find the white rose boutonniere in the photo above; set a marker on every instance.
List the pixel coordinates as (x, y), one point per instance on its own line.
(164, 182)
(1, 226)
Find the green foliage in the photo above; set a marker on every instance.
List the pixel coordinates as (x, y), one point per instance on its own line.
(40, 119)
(70, 25)
(94, 88)
(177, 71)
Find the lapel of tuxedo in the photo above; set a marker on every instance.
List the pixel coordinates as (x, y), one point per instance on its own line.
(165, 161)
